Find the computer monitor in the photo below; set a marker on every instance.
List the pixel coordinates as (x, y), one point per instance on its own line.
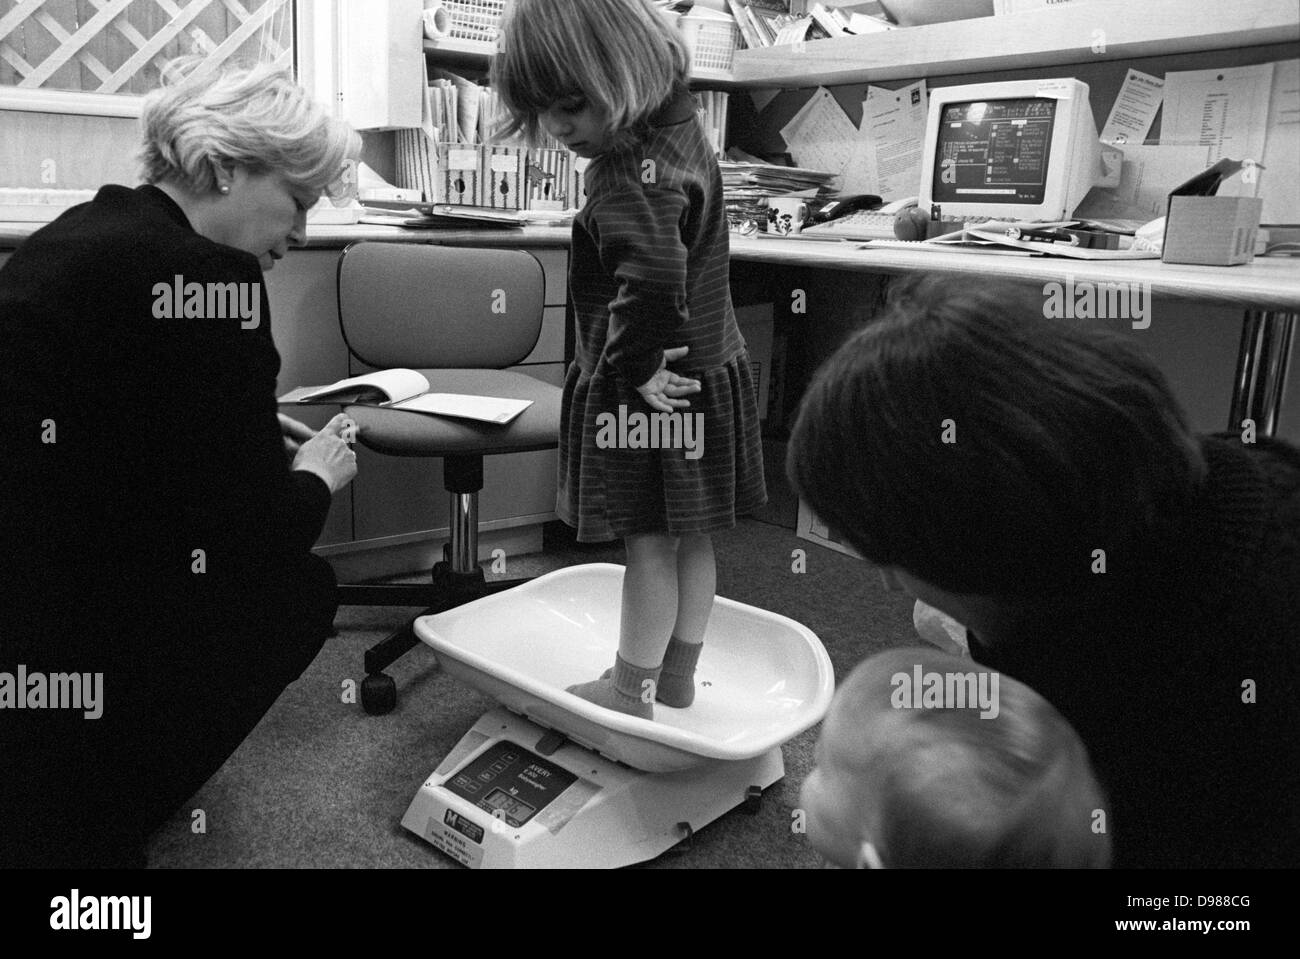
(1016, 150)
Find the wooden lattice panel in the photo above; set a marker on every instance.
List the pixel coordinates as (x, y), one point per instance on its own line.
(117, 46)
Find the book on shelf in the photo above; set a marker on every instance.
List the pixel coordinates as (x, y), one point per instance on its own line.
(860, 24)
(401, 389)
(748, 28)
(711, 108)
(826, 19)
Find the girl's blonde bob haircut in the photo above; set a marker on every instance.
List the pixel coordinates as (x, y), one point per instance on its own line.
(254, 117)
(623, 56)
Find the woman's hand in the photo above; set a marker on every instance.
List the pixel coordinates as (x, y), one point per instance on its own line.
(295, 434)
(663, 390)
(328, 455)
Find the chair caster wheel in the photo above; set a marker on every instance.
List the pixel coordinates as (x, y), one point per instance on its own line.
(753, 800)
(378, 694)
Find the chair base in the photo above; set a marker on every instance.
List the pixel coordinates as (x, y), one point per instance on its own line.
(447, 590)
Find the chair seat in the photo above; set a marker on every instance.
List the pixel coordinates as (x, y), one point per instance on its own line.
(404, 433)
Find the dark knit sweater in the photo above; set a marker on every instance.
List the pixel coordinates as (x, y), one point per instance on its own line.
(1157, 684)
(166, 442)
(650, 258)
(166, 435)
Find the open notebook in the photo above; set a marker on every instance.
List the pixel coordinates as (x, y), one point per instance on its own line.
(408, 390)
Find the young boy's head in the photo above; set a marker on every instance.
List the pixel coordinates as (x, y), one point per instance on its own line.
(585, 71)
(925, 760)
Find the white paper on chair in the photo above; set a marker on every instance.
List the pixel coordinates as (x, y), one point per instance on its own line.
(379, 387)
(487, 409)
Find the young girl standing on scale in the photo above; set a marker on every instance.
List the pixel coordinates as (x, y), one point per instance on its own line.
(648, 277)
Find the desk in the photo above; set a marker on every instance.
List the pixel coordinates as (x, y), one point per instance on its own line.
(1268, 290)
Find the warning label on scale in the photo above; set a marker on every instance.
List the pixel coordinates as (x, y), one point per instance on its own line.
(457, 837)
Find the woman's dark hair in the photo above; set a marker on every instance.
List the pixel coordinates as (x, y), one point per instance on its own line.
(986, 449)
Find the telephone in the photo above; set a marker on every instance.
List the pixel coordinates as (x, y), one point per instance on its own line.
(859, 218)
(843, 206)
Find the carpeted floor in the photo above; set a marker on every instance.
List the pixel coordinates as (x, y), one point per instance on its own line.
(319, 783)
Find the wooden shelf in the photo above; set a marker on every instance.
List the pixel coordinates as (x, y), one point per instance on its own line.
(451, 45)
(473, 53)
(1079, 32)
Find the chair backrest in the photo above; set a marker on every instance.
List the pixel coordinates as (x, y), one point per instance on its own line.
(438, 307)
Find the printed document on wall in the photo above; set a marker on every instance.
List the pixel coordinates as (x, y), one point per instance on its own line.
(890, 141)
(1135, 109)
(1224, 110)
(1279, 181)
(820, 135)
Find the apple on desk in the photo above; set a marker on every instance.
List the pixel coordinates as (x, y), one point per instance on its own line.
(912, 223)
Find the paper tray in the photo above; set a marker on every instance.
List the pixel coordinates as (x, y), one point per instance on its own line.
(762, 678)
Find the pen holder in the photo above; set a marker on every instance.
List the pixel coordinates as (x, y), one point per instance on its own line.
(1212, 230)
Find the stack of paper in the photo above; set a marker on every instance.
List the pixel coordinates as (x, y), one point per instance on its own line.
(747, 185)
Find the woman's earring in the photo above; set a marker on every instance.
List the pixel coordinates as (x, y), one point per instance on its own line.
(224, 189)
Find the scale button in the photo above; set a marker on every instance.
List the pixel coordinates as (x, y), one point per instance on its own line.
(470, 787)
(486, 776)
(498, 767)
(510, 757)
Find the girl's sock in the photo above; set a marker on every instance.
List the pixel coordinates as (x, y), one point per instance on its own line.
(677, 681)
(623, 689)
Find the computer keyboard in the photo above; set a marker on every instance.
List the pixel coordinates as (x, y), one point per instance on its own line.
(869, 225)
(858, 225)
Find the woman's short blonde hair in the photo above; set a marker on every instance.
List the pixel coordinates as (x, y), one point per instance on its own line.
(255, 117)
(622, 55)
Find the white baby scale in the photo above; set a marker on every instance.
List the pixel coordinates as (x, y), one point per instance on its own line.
(566, 783)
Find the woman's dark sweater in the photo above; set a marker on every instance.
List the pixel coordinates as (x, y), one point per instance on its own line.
(133, 441)
(1186, 689)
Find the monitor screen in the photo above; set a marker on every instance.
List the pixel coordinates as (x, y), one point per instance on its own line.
(994, 151)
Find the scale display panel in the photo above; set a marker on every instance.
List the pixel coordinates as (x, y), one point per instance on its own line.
(510, 782)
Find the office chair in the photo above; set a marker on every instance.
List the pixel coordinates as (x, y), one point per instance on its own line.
(459, 316)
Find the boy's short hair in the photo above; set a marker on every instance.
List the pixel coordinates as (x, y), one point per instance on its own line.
(624, 55)
(955, 789)
(964, 437)
(254, 116)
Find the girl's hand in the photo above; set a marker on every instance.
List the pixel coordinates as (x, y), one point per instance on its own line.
(663, 390)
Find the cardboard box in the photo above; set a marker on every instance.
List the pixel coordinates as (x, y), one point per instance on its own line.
(1212, 230)
(809, 527)
(756, 326)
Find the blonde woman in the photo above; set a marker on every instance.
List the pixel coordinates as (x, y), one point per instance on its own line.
(158, 539)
